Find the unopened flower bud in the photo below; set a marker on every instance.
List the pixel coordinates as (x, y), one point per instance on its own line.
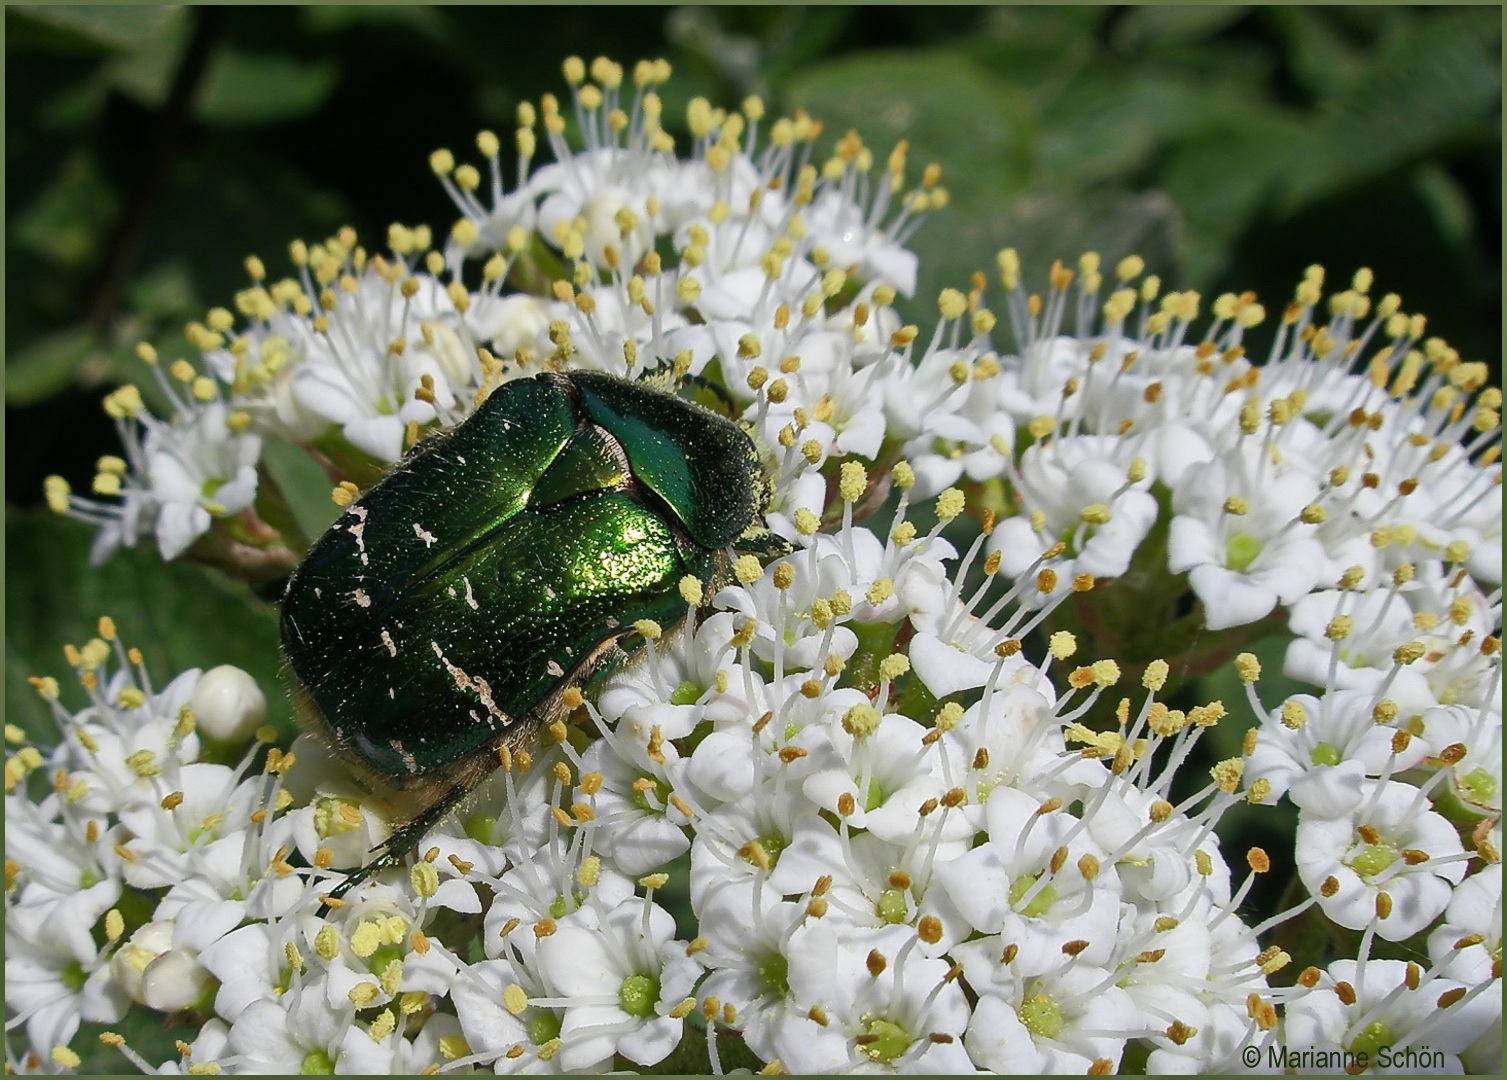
(228, 705)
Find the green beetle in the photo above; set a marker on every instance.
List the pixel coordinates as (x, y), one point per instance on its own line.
(449, 608)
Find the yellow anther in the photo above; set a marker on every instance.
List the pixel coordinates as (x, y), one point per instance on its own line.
(950, 504)
(853, 481)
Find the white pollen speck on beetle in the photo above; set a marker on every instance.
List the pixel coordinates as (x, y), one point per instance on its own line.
(470, 597)
(410, 764)
(318, 593)
(554, 669)
(476, 685)
(392, 649)
(362, 600)
(422, 534)
(358, 531)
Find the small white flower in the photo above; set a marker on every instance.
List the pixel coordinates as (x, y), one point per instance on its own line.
(1473, 740)
(55, 975)
(1321, 747)
(1239, 538)
(299, 1032)
(888, 1009)
(1469, 941)
(754, 940)
(199, 470)
(500, 1025)
(618, 983)
(1386, 1008)
(1080, 487)
(636, 824)
(1051, 1024)
(1006, 886)
(1391, 842)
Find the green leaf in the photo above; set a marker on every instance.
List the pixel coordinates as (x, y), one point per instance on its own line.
(953, 113)
(1433, 82)
(66, 223)
(1222, 178)
(144, 73)
(179, 615)
(239, 87)
(163, 290)
(46, 365)
(1322, 58)
(249, 88)
(1162, 24)
(1036, 48)
(1043, 227)
(110, 26)
(1095, 130)
(304, 485)
(1453, 212)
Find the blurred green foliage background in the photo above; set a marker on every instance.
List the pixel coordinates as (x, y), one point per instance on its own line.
(150, 149)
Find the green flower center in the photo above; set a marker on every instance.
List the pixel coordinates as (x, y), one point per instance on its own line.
(1069, 536)
(543, 1025)
(948, 448)
(74, 977)
(1040, 904)
(1373, 859)
(1326, 754)
(774, 973)
(886, 1040)
(1240, 550)
(211, 486)
(1042, 1016)
(686, 693)
(1479, 786)
(1370, 1039)
(382, 957)
(329, 821)
(638, 995)
(481, 828)
(317, 1063)
(873, 799)
(891, 907)
(773, 844)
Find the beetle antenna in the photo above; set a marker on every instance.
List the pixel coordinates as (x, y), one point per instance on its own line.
(356, 877)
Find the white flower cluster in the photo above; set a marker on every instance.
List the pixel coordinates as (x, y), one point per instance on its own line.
(912, 843)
